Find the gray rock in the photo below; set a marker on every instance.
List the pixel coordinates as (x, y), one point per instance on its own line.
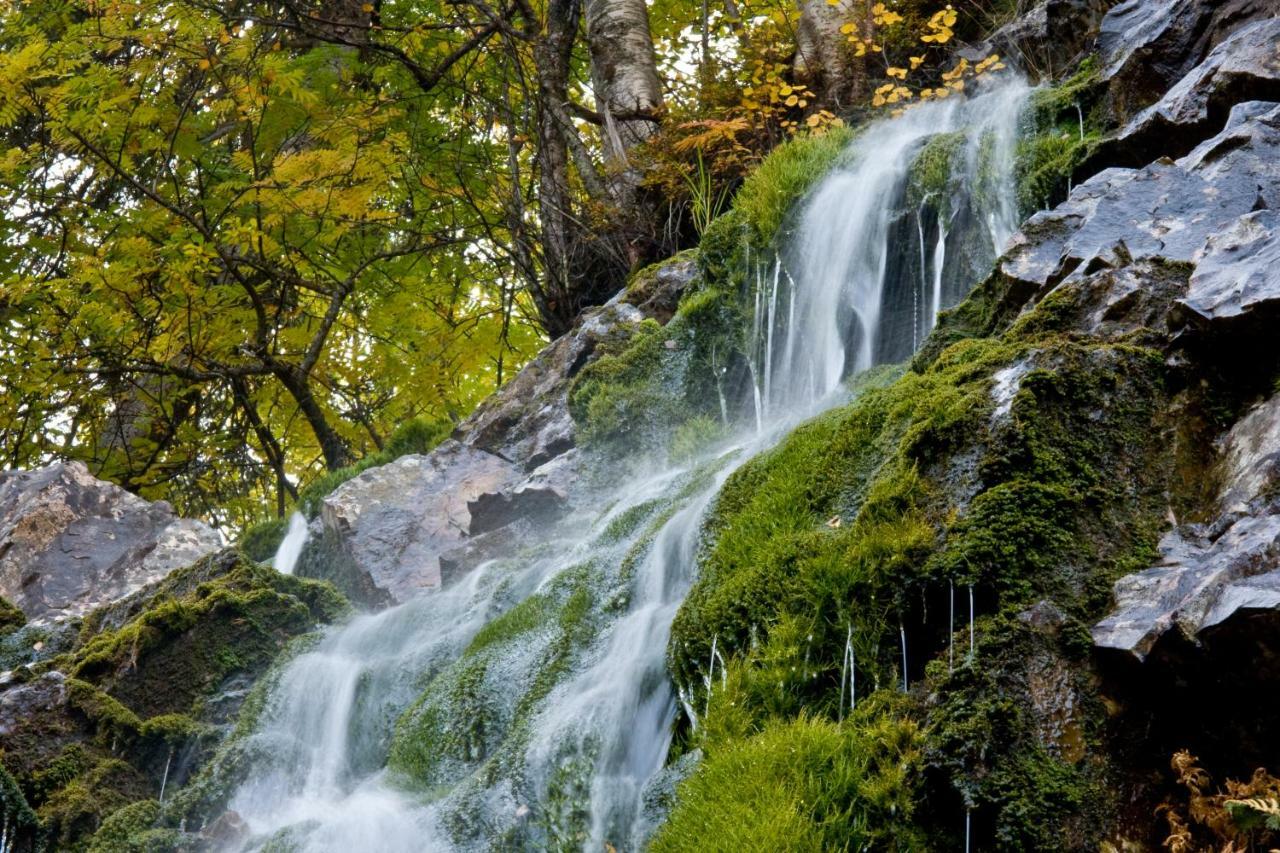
(1195, 580)
(1147, 46)
(421, 521)
(70, 542)
(527, 421)
(1210, 574)
(1047, 40)
(1133, 237)
(390, 524)
(1245, 67)
(1236, 275)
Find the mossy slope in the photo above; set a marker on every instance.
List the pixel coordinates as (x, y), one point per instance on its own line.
(145, 692)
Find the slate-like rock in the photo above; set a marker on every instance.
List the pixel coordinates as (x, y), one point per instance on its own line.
(70, 542)
(527, 421)
(1147, 46)
(1211, 574)
(1245, 67)
(1199, 231)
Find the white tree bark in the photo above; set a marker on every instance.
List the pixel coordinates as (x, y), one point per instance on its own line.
(624, 74)
(824, 57)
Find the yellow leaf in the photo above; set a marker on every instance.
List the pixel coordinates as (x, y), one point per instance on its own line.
(900, 73)
(367, 7)
(916, 62)
(203, 64)
(792, 101)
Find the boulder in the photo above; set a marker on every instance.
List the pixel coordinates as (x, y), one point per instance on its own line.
(1245, 67)
(70, 542)
(1146, 46)
(388, 526)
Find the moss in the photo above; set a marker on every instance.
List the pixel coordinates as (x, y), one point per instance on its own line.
(73, 813)
(11, 618)
(468, 716)
(791, 170)
(846, 537)
(1068, 122)
(134, 829)
(140, 675)
(932, 169)
(804, 784)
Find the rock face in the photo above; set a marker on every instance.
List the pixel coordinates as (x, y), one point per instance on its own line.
(1046, 40)
(389, 525)
(70, 542)
(1148, 45)
(1212, 573)
(418, 522)
(1134, 235)
(1245, 66)
(527, 421)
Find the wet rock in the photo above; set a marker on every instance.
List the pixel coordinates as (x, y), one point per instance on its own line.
(227, 829)
(70, 542)
(1235, 282)
(527, 421)
(1210, 574)
(390, 524)
(1048, 39)
(1245, 67)
(1134, 241)
(1147, 46)
(1197, 577)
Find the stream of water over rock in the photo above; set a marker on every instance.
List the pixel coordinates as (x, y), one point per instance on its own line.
(572, 757)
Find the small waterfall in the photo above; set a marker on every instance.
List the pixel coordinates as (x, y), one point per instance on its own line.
(855, 301)
(286, 558)
(318, 779)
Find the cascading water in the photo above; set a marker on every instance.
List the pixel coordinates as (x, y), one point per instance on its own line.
(580, 746)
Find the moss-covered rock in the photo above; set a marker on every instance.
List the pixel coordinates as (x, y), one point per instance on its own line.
(1028, 464)
(141, 697)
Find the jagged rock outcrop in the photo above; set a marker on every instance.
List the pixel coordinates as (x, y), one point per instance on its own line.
(527, 421)
(70, 542)
(417, 523)
(1211, 573)
(1188, 230)
(1246, 66)
(1147, 46)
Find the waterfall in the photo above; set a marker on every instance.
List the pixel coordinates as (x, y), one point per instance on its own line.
(290, 549)
(599, 734)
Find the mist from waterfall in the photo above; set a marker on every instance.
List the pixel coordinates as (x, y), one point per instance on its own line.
(318, 779)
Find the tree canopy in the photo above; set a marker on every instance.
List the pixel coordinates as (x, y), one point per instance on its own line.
(245, 241)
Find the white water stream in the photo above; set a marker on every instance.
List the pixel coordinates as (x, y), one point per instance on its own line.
(316, 774)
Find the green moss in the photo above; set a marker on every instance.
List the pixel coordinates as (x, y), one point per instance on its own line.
(932, 170)
(73, 813)
(134, 829)
(1068, 121)
(791, 170)
(803, 785)
(853, 529)
(11, 618)
(464, 717)
(138, 679)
